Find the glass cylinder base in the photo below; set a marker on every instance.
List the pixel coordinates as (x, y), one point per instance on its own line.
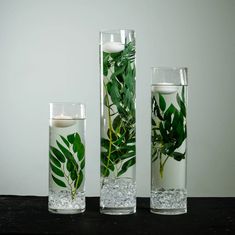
(118, 196)
(66, 211)
(118, 211)
(168, 211)
(168, 202)
(62, 203)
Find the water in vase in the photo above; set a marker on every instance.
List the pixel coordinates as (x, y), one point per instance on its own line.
(67, 166)
(168, 150)
(118, 148)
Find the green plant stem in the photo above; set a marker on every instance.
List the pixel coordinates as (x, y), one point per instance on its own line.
(165, 161)
(67, 179)
(110, 134)
(162, 164)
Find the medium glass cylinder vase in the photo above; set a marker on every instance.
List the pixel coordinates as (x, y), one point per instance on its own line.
(118, 122)
(169, 141)
(66, 158)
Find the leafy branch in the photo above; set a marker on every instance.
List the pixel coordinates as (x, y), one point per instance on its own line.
(168, 129)
(118, 148)
(67, 162)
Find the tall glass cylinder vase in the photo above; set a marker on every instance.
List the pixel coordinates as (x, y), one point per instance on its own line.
(169, 141)
(118, 123)
(66, 158)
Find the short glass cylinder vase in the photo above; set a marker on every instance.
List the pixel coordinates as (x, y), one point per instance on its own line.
(67, 126)
(168, 141)
(118, 123)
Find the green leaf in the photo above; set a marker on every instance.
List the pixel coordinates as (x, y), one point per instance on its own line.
(119, 140)
(76, 143)
(162, 102)
(153, 122)
(183, 94)
(67, 154)
(131, 141)
(108, 88)
(154, 154)
(105, 143)
(106, 64)
(60, 157)
(176, 119)
(181, 105)
(105, 70)
(167, 124)
(156, 110)
(178, 156)
(127, 155)
(71, 138)
(54, 160)
(65, 151)
(129, 78)
(58, 182)
(168, 148)
(69, 166)
(181, 134)
(65, 141)
(114, 94)
(163, 132)
(126, 165)
(115, 55)
(127, 147)
(116, 122)
(183, 109)
(56, 170)
(79, 180)
(170, 110)
(119, 70)
(80, 151)
(73, 175)
(82, 164)
(128, 99)
(107, 164)
(104, 171)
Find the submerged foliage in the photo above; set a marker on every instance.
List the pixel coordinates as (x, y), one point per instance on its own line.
(118, 147)
(67, 162)
(168, 129)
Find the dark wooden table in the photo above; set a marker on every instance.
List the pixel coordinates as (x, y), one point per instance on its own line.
(29, 215)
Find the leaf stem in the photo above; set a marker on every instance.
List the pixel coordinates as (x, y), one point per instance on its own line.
(162, 164)
(70, 184)
(110, 136)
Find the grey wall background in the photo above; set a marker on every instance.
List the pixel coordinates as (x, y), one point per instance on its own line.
(49, 52)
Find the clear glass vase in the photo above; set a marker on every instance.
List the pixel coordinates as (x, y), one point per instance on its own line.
(66, 158)
(168, 141)
(118, 124)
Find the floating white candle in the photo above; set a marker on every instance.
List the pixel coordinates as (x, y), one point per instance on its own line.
(62, 121)
(165, 88)
(113, 47)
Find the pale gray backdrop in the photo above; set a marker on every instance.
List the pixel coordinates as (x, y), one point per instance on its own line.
(49, 52)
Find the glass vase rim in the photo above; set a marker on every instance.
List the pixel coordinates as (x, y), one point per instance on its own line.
(169, 68)
(67, 103)
(116, 31)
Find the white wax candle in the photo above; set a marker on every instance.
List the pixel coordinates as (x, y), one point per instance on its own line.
(165, 88)
(62, 121)
(113, 47)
